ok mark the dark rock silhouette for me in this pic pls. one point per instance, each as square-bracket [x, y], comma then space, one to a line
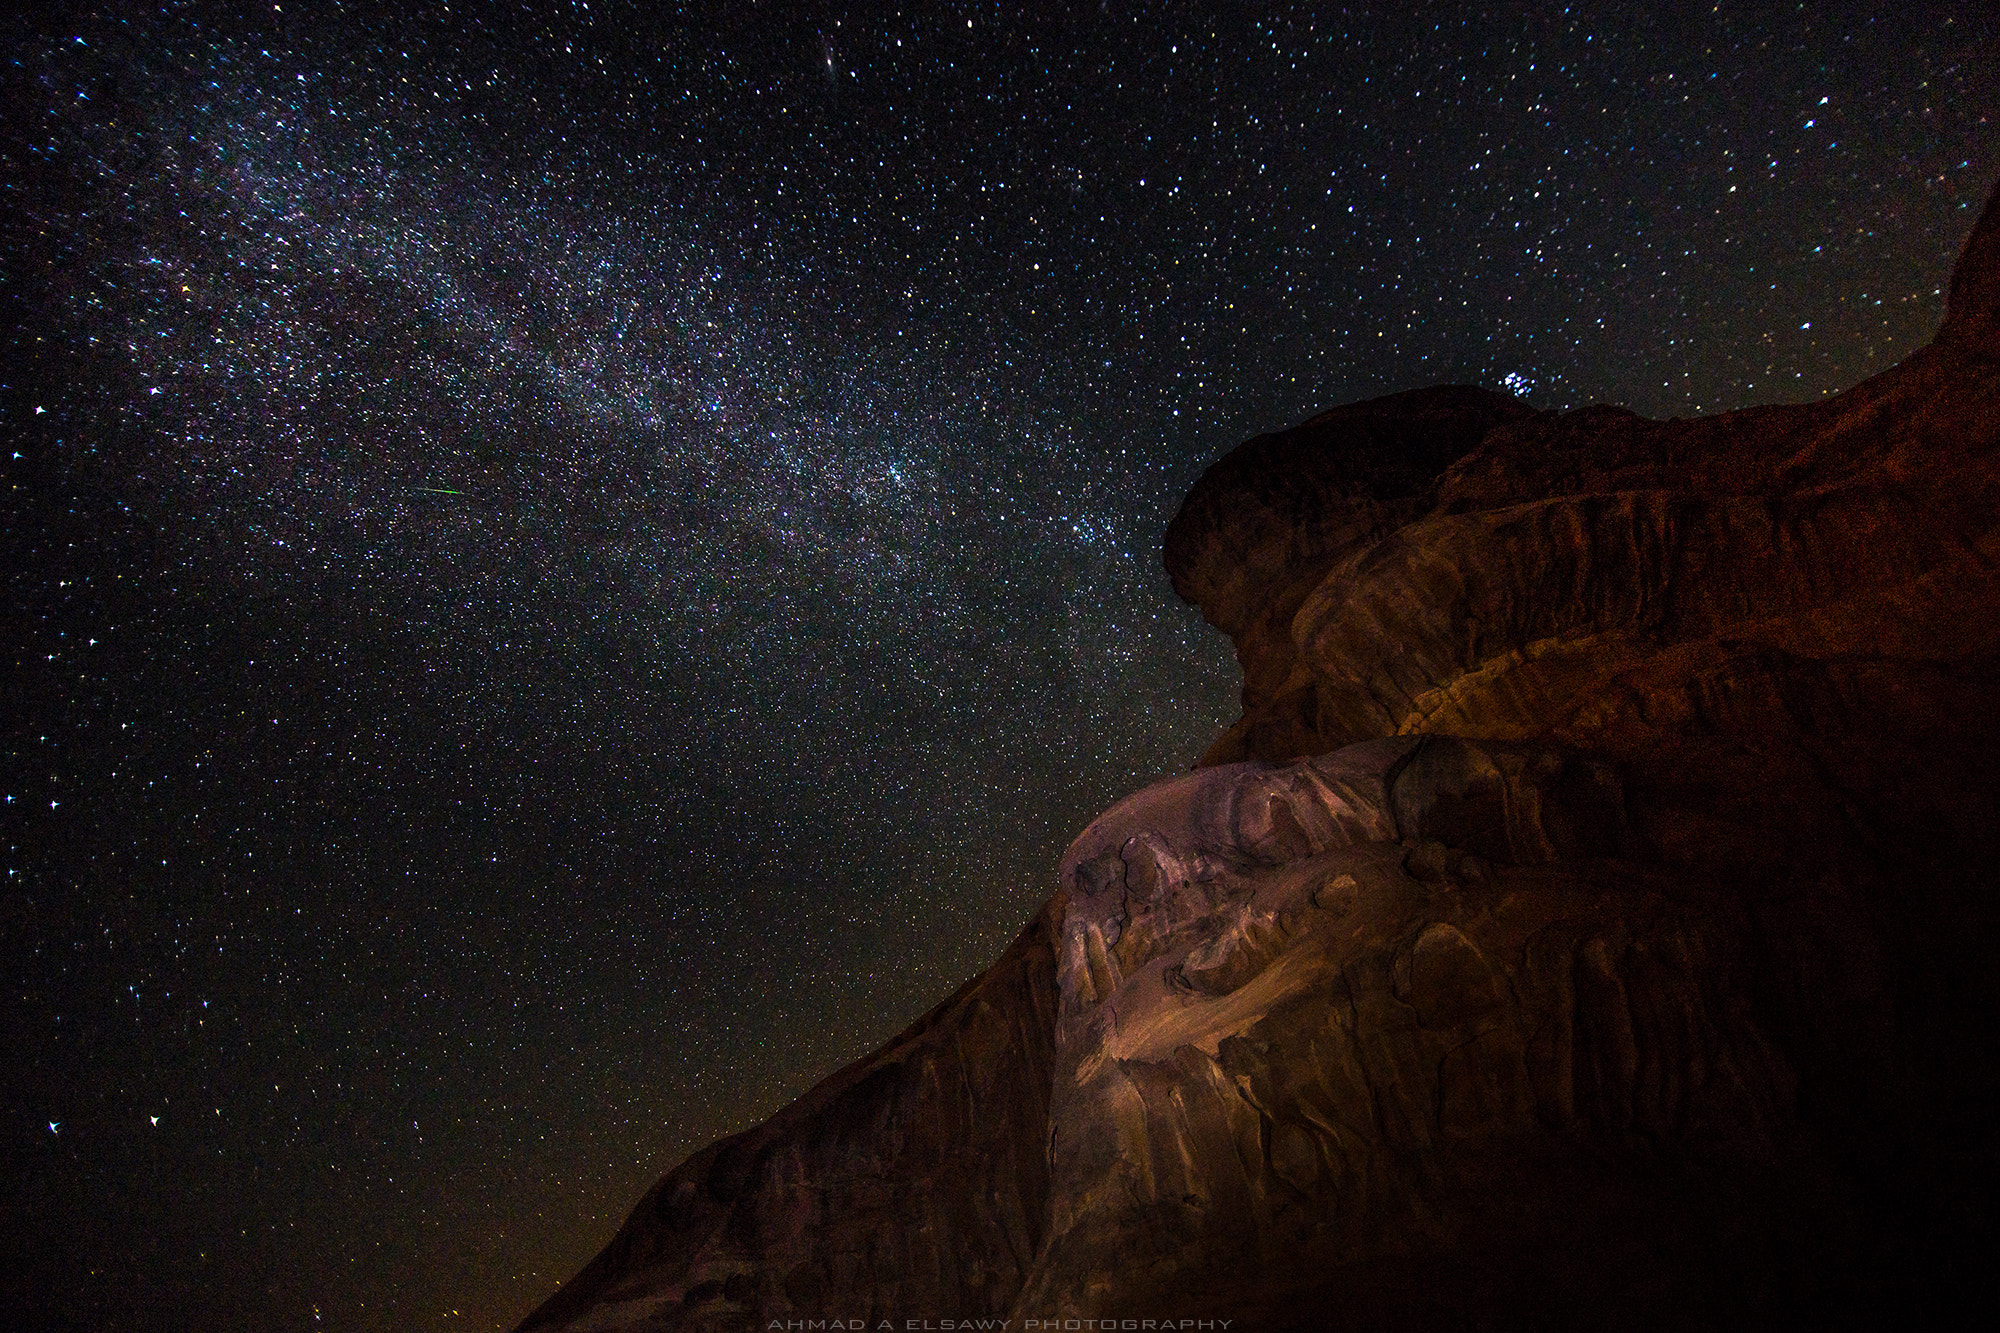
[1587, 925]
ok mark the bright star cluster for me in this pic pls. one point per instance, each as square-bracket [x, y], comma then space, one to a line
[571, 567]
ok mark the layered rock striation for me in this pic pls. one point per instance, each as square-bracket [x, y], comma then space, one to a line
[1587, 924]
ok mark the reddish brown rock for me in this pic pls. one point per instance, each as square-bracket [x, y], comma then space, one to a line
[1417, 1004]
[1275, 514]
[916, 1178]
[1606, 581]
[1586, 926]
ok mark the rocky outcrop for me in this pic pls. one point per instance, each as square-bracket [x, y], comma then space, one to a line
[1601, 580]
[1276, 514]
[914, 1179]
[1586, 925]
[1408, 1032]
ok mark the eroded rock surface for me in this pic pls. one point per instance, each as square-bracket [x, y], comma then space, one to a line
[914, 1179]
[1600, 580]
[1589, 924]
[1418, 997]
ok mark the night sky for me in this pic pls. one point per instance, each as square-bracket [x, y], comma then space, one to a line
[570, 569]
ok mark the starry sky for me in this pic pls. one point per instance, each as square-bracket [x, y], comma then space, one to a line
[570, 568]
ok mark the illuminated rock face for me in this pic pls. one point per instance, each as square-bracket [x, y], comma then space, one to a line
[1589, 924]
[1418, 1030]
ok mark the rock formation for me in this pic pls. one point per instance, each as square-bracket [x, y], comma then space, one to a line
[1587, 925]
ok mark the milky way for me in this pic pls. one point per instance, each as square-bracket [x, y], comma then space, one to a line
[569, 571]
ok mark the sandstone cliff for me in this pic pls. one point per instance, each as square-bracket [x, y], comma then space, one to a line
[1587, 924]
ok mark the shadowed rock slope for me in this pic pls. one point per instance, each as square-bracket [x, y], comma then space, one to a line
[1588, 924]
